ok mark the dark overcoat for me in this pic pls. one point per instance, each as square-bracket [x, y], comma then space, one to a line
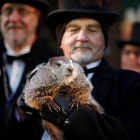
[118, 91]
[31, 129]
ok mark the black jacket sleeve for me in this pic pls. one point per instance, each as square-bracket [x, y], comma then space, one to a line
[90, 125]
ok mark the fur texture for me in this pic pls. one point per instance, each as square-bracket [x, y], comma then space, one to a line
[59, 73]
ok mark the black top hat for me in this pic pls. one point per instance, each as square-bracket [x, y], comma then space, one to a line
[42, 5]
[71, 9]
[135, 36]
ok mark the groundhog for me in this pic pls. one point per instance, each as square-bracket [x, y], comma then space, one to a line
[47, 80]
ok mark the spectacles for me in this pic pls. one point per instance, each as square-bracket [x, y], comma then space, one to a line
[21, 11]
[127, 53]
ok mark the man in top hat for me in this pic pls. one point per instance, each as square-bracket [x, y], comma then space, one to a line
[130, 50]
[20, 23]
[82, 29]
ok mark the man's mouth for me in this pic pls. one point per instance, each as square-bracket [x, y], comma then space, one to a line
[81, 48]
[14, 27]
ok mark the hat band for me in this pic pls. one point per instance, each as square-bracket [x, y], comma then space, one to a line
[90, 7]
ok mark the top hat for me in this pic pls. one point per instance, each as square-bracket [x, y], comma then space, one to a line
[135, 36]
[72, 9]
[42, 5]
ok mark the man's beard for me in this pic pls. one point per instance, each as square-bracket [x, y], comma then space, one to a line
[16, 42]
[82, 57]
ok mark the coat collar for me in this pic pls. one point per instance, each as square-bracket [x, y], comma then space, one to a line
[101, 81]
[104, 71]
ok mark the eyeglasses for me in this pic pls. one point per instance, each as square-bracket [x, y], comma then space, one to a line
[127, 53]
[21, 11]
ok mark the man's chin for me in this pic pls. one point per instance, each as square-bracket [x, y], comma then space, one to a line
[15, 37]
[81, 59]
[15, 41]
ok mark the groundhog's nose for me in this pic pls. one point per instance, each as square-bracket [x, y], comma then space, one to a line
[70, 70]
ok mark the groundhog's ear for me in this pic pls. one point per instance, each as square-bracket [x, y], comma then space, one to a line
[49, 59]
[33, 72]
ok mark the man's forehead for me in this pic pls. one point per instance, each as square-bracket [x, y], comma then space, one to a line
[84, 21]
[131, 47]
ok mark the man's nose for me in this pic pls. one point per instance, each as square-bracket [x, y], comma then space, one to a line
[82, 36]
[14, 17]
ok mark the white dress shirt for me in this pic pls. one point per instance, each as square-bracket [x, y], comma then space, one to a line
[15, 72]
[92, 65]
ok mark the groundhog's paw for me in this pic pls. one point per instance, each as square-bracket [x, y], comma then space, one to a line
[52, 105]
[75, 103]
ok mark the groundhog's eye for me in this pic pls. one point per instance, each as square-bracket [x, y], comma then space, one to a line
[58, 64]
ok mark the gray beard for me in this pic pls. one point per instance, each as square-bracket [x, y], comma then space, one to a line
[81, 58]
[16, 42]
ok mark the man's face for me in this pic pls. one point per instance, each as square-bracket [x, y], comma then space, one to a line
[130, 57]
[18, 23]
[83, 41]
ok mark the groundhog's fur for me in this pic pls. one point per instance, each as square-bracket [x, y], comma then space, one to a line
[45, 84]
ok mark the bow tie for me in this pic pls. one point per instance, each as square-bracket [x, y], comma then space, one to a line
[24, 57]
[91, 70]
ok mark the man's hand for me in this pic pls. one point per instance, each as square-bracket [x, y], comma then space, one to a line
[23, 108]
[60, 118]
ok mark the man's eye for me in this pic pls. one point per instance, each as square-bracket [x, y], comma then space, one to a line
[126, 52]
[7, 11]
[72, 29]
[23, 11]
[92, 30]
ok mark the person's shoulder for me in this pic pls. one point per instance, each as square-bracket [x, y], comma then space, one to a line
[125, 71]
[127, 74]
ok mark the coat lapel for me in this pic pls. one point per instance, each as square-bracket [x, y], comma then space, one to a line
[101, 81]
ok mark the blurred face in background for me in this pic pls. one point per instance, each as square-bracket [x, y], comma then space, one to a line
[83, 41]
[18, 23]
[130, 57]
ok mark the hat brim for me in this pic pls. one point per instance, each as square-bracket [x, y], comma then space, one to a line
[42, 5]
[122, 43]
[63, 16]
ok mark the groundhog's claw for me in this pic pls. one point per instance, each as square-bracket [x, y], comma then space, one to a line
[51, 104]
[75, 102]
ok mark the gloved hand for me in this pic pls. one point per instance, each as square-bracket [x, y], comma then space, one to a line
[23, 106]
[60, 118]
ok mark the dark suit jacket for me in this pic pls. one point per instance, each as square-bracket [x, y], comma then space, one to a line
[118, 91]
[9, 125]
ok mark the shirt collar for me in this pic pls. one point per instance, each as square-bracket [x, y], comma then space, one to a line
[11, 52]
[93, 64]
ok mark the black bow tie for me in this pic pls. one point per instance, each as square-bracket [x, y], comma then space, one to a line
[91, 70]
[24, 57]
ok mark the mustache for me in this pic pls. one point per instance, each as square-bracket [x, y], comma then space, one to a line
[14, 25]
[81, 45]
